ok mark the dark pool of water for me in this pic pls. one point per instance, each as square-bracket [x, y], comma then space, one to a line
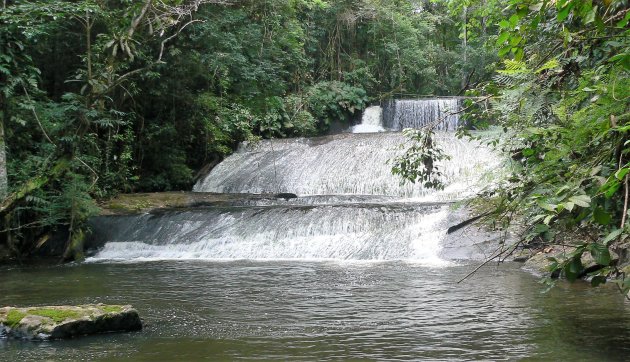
[323, 311]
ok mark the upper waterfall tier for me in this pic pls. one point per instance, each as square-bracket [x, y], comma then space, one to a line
[371, 121]
[401, 114]
[356, 164]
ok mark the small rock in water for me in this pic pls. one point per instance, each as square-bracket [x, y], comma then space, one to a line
[522, 255]
[286, 196]
[61, 322]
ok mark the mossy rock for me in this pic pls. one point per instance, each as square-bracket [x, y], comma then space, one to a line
[61, 322]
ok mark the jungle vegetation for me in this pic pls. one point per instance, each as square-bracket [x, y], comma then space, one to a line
[562, 95]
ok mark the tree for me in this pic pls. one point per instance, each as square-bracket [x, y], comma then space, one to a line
[62, 173]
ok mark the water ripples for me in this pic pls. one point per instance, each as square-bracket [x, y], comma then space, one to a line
[325, 311]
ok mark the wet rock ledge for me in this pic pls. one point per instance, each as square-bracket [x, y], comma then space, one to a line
[61, 322]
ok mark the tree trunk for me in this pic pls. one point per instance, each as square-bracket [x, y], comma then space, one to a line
[464, 44]
[4, 183]
[4, 108]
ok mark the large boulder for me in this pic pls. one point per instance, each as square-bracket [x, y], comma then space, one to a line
[61, 322]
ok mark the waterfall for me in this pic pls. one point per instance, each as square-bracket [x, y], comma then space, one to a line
[337, 232]
[350, 206]
[401, 114]
[371, 122]
[355, 164]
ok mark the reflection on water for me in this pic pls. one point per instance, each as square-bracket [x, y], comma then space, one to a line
[324, 311]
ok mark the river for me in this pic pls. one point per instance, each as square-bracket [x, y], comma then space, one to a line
[290, 310]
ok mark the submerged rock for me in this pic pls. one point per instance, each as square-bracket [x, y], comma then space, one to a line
[61, 322]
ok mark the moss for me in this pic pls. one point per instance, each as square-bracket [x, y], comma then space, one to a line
[14, 317]
[115, 206]
[57, 315]
[111, 308]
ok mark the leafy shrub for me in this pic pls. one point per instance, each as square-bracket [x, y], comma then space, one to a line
[335, 101]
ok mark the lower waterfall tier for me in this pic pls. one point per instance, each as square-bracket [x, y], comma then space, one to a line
[367, 232]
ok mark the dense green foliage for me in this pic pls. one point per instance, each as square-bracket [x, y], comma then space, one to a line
[101, 97]
[562, 96]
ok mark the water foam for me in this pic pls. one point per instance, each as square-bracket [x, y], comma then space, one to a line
[371, 122]
[350, 164]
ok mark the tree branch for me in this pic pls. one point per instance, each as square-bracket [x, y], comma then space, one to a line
[136, 21]
[173, 36]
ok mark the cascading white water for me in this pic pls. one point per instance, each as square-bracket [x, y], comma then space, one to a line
[371, 122]
[350, 207]
[356, 164]
[338, 232]
[420, 113]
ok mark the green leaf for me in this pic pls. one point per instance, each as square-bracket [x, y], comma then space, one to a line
[502, 38]
[601, 217]
[612, 236]
[537, 218]
[564, 12]
[598, 280]
[621, 173]
[515, 40]
[600, 254]
[624, 21]
[504, 24]
[590, 17]
[547, 206]
[573, 269]
[610, 187]
[541, 228]
[581, 200]
[552, 64]
[569, 205]
[503, 51]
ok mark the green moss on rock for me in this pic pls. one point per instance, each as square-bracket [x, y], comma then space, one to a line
[57, 315]
[112, 308]
[59, 322]
[12, 318]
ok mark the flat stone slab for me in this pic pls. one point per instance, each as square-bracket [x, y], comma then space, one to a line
[61, 322]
